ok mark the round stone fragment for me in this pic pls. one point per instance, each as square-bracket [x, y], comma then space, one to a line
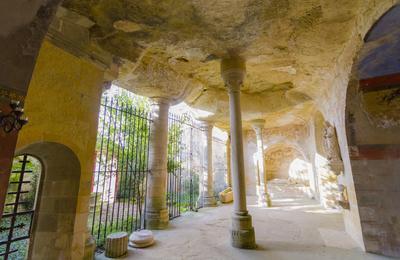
[141, 239]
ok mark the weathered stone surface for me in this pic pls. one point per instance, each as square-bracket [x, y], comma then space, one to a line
[141, 239]
[116, 244]
[292, 49]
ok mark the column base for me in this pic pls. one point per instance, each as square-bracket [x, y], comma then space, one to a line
[242, 231]
[264, 200]
[156, 220]
[90, 248]
[209, 202]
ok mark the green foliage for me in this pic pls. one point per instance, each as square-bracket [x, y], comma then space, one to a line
[174, 136]
[122, 141]
[22, 222]
[106, 230]
[22, 245]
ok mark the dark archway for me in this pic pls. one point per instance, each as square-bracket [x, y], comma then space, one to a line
[373, 135]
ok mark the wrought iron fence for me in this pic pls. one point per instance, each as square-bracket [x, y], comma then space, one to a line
[219, 165]
[186, 142]
[120, 176]
[19, 209]
[119, 185]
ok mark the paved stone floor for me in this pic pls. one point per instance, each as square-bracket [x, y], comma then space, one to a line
[296, 227]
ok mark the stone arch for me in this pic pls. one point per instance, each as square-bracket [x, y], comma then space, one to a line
[279, 158]
[373, 134]
[21, 38]
[53, 226]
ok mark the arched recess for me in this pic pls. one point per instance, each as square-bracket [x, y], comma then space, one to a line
[53, 226]
[287, 161]
[373, 134]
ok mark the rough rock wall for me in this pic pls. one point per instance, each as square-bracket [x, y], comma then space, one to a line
[23, 24]
[291, 141]
[250, 151]
[334, 108]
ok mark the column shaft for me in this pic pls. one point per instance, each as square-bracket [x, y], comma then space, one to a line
[208, 195]
[262, 188]
[228, 162]
[233, 70]
[156, 207]
[238, 178]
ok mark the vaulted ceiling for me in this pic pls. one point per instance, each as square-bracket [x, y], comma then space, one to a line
[173, 47]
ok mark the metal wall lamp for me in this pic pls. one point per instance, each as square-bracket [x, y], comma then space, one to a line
[14, 120]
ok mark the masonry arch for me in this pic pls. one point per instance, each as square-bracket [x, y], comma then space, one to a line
[53, 224]
[287, 161]
[372, 120]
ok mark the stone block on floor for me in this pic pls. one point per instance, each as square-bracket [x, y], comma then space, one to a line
[116, 244]
[141, 239]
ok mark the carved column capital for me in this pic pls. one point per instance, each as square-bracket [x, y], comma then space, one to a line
[258, 125]
[160, 101]
[233, 72]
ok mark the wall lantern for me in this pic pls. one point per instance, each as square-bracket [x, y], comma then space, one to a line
[13, 120]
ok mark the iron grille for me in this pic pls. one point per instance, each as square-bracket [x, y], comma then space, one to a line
[119, 185]
[185, 164]
[16, 222]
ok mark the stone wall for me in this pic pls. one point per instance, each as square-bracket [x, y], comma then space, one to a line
[22, 28]
[62, 105]
[219, 165]
[375, 163]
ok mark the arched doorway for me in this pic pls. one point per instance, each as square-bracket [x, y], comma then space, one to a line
[373, 134]
[285, 161]
[19, 209]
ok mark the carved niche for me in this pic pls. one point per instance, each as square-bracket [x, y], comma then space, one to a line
[331, 148]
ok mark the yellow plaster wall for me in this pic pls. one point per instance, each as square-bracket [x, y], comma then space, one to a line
[62, 106]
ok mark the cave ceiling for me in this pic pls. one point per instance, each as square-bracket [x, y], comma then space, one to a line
[174, 47]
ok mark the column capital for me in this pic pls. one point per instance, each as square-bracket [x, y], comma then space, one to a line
[233, 72]
[161, 100]
[208, 125]
[258, 125]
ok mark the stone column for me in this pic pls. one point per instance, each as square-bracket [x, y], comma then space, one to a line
[228, 161]
[156, 214]
[208, 191]
[233, 71]
[264, 199]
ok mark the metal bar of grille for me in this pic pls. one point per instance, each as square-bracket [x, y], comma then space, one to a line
[183, 173]
[16, 223]
[120, 177]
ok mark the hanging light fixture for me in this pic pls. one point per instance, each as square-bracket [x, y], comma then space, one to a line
[13, 120]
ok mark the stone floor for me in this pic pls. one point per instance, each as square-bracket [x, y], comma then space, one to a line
[296, 227]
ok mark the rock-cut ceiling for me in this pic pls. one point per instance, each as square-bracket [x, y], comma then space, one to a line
[174, 47]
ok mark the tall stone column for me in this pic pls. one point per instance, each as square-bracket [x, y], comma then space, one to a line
[264, 199]
[233, 71]
[208, 191]
[156, 214]
[228, 161]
